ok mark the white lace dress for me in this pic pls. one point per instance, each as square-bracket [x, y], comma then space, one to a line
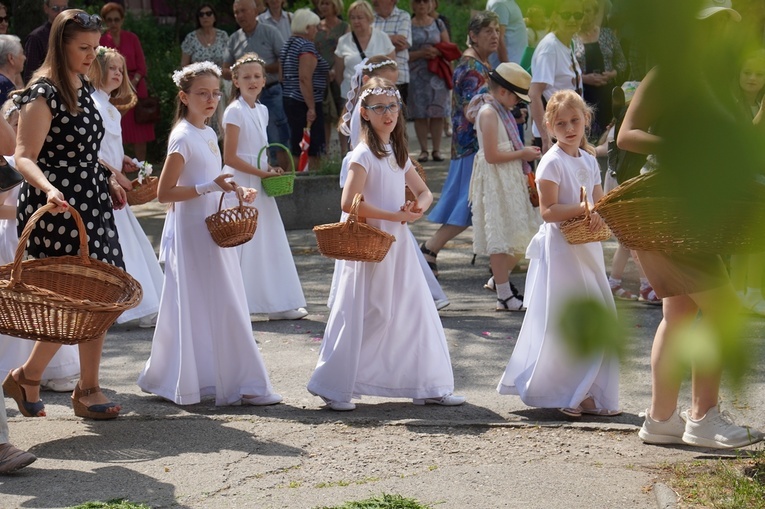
[504, 221]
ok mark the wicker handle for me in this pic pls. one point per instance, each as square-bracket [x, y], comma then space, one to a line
[292, 159]
[84, 252]
[583, 197]
[353, 215]
[223, 195]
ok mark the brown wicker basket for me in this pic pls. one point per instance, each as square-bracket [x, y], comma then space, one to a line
[63, 299]
[234, 226]
[143, 193]
[577, 229]
[353, 239]
[421, 172]
[641, 218]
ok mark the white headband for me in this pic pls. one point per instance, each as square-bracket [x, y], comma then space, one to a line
[249, 60]
[391, 92]
[195, 68]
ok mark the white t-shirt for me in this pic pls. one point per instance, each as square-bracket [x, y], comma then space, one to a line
[379, 44]
[554, 64]
[570, 173]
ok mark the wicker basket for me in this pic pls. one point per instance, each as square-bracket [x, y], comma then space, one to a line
[234, 226]
[353, 239]
[577, 229]
[641, 218]
[421, 172]
[143, 193]
[283, 184]
[63, 299]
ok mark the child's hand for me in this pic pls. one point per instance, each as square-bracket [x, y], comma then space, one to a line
[530, 153]
[223, 183]
[276, 169]
[410, 212]
[596, 222]
[247, 194]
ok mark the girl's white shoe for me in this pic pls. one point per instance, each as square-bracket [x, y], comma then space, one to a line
[269, 399]
[445, 400]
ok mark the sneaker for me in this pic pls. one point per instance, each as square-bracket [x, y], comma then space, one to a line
[648, 296]
[445, 400]
[442, 303]
[269, 399]
[620, 293]
[12, 458]
[718, 431]
[291, 314]
[148, 321]
[662, 432]
[59, 384]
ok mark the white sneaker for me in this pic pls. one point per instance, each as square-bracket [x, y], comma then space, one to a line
[59, 384]
[662, 432]
[339, 406]
[148, 321]
[442, 303]
[718, 431]
[269, 399]
[291, 314]
[445, 400]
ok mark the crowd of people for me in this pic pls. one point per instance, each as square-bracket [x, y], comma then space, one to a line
[69, 94]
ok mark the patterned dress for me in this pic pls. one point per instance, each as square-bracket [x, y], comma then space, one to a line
[69, 160]
[428, 94]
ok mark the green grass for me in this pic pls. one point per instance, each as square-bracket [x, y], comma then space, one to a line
[382, 502]
[737, 483]
[118, 503]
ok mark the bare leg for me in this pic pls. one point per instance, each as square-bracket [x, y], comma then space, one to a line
[436, 129]
[38, 360]
[421, 128]
[90, 363]
[434, 244]
[621, 257]
[501, 265]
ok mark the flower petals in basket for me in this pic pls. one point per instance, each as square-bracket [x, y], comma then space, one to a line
[353, 239]
[577, 229]
[233, 226]
[281, 184]
[63, 299]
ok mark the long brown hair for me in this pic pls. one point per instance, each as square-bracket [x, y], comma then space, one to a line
[570, 99]
[398, 140]
[55, 68]
[185, 80]
[123, 97]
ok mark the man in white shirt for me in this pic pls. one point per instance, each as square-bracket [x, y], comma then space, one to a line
[398, 25]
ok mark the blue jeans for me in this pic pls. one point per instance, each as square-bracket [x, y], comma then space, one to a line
[278, 130]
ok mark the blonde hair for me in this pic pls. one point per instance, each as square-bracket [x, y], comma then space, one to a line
[247, 58]
[365, 7]
[570, 99]
[123, 97]
[398, 139]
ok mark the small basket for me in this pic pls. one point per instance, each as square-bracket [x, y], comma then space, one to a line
[577, 229]
[281, 184]
[234, 226]
[421, 172]
[353, 239]
[143, 193]
[62, 299]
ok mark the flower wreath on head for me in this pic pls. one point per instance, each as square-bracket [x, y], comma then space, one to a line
[248, 60]
[350, 126]
[195, 68]
[390, 92]
[101, 51]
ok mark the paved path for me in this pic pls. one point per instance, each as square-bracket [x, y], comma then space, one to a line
[492, 452]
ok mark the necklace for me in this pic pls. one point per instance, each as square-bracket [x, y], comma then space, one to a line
[205, 39]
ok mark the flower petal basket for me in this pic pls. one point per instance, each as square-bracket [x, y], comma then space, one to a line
[233, 226]
[577, 229]
[63, 299]
[143, 192]
[353, 239]
[282, 184]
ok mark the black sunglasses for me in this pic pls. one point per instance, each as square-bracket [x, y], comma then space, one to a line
[5, 19]
[565, 16]
[89, 21]
[206, 14]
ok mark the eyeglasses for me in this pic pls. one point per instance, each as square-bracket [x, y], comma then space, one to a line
[205, 14]
[5, 19]
[86, 20]
[381, 109]
[58, 8]
[207, 96]
[565, 16]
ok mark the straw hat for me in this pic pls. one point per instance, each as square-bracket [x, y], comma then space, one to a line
[711, 7]
[513, 77]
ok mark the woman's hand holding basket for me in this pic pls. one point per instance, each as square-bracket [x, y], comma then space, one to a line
[56, 197]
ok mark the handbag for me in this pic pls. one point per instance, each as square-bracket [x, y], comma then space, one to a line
[9, 176]
[147, 110]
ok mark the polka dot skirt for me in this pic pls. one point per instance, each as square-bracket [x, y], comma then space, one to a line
[69, 159]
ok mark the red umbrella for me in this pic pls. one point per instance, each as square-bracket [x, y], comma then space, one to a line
[305, 143]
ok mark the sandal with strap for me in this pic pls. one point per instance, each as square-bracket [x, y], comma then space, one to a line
[427, 252]
[620, 293]
[423, 158]
[511, 303]
[13, 388]
[436, 155]
[99, 411]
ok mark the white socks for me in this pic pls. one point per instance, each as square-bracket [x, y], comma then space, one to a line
[504, 291]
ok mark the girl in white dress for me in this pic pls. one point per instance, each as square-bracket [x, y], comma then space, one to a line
[384, 336]
[108, 74]
[270, 278]
[203, 344]
[504, 221]
[542, 369]
[62, 372]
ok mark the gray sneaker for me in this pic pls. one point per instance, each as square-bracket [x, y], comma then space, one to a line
[718, 431]
[662, 432]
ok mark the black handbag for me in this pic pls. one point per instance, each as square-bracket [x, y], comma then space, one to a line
[9, 176]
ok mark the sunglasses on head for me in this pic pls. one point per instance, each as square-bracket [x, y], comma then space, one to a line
[565, 16]
[86, 20]
[205, 14]
[5, 19]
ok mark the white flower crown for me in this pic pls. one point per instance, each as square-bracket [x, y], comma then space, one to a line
[391, 92]
[369, 66]
[195, 68]
[249, 60]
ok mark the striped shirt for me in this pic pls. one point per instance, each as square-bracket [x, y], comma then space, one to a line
[289, 57]
[398, 23]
